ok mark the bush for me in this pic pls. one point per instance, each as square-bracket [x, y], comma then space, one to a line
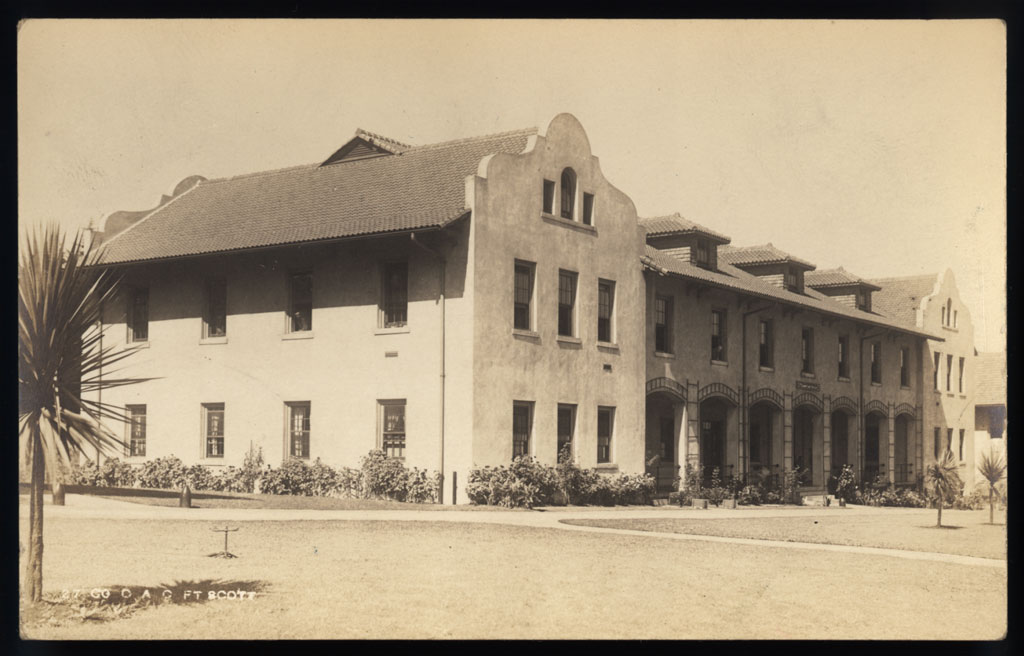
[293, 477]
[976, 500]
[422, 486]
[845, 483]
[384, 477]
[166, 473]
[750, 495]
[113, 473]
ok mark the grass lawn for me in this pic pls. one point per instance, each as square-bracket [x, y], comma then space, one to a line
[348, 579]
[964, 532]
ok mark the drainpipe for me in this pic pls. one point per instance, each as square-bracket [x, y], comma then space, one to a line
[860, 400]
[744, 410]
[441, 298]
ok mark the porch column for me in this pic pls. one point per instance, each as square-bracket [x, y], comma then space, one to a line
[680, 430]
[919, 438]
[892, 443]
[692, 427]
[826, 434]
[787, 430]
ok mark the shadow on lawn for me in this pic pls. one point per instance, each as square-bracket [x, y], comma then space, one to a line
[953, 528]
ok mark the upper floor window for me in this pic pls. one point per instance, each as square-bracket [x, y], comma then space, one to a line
[943, 315]
[605, 310]
[522, 426]
[956, 318]
[792, 279]
[663, 324]
[718, 342]
[949, 373]
[392, 428]
[566, 426]
[213, 429]
[844, 356]
[766, 344]
[876, 362]
[937, 442]
[905, 367]
[605, 426]
[949, 311]
[588, 209]
[136, 430]
[215, 310]
[300, 302]
[702, 253]
[523, 302]
[935, 372]
[807, 350]
[961, 450]
[566, 303]
[568, 193]
[549, 197]
[138, 315]
[298, 429]
[960, 380]
[394, 302]
[862, 300]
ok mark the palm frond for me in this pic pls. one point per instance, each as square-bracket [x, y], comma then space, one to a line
[992, 467]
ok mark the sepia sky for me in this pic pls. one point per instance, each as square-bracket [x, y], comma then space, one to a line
[875, 145]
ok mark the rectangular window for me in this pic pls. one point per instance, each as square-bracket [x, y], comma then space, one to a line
[905, 367]
[215, 312]
[807, 350]
[522, 426]
[566, 426]
[523, 315]
[935, 373]
[663, 324]
[961, 444]
[792, 279]
[876, 362]
[956, 317]
[588, 209]
[862, 300]
[300, 302]
[844, 356]
[718, 328]
[213, 429]
[960, 378]
[605, 426]
[138, 315]
[549, 197]
[702, 257]
[298, 429]
[949, 373]
[937, 447]
[566, 303]
[605, 310]
[136, 430]
[765, 344]
[392, 428]
[949, 439]
[394, 295]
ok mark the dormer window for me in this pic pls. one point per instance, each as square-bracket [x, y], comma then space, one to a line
[703, 255]
[568, 193]
[862, 300]
[792, 279]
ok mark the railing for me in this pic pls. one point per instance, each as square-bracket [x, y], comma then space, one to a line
[904, 472]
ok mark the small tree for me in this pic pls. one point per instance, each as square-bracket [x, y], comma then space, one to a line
[993, 469]
[944, 479]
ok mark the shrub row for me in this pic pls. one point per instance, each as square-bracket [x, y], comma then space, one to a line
[379, 477]
[527, 483]
[754, 492]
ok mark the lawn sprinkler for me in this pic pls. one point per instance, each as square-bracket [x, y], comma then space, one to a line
[224, 554]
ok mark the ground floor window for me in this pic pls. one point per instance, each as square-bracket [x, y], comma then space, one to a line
[605, 423]
[566, 426]
[136, 429]
[298, 429]
[392, 428]
[522, 420]
[213, 429]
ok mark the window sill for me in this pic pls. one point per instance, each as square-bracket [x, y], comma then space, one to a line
[719, 363]
[807, 374]
[305, 334]
[397, 330]
[963, 396]
[566, 339]
[607, 467]
[905, 387]
[951, 329]
[213, 340]
[575, 225]
[138, 345]
[874, 384]
[843, 379]
[213, 461]
[950, 394]
[662, 354]
[608, 346]
[526, 334]
[768, 370]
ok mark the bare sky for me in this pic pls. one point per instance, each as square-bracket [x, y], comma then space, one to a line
[878, 146]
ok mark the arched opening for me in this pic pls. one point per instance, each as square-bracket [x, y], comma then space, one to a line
[765, 446]
[715, 418]
[840, 422]
[901, 450]
[663, 430]
[805, 434]
[873, 464]
[568, 193]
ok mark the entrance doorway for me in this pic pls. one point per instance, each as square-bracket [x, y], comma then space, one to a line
[713, 415]
[662, 452]
[764, 463]
[803, 444]
[873, 468]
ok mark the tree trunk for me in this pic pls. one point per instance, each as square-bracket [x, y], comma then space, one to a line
[939, 522]
[991, 507]
[34, 568]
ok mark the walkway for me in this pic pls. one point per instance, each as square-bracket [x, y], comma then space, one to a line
[86, 506]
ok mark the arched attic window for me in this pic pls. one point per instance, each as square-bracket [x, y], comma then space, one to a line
[949, 311]
[568, 193]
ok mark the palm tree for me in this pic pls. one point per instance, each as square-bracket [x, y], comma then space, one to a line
[60, 361]
[944, 479]
[993, 469]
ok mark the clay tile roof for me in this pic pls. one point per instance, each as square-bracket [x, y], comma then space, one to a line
[422, 187]
[384, 142]
[736, 279]
[835, 278]
[676, 224]
[900, 298]
[741, 256]
[990, 379]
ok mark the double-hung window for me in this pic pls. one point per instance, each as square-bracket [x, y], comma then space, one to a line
[663, 324]
[605, 427]
[718, 333]
[213, 430]
[935, 373]
[298, 429]
[138, 315]
[949, 373]
[960, 380]
[522, 426]
[588, 209]
[566, 303]
[765, 357]
[807, 350]
[215, 309]
[394, 295]
[392, 428]
[523, 291]
[136, 430]
[605, 310]
[844, 356]
[300, 302]
[566, 427]
[876, 362]
[549, 197]
[905, 367]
